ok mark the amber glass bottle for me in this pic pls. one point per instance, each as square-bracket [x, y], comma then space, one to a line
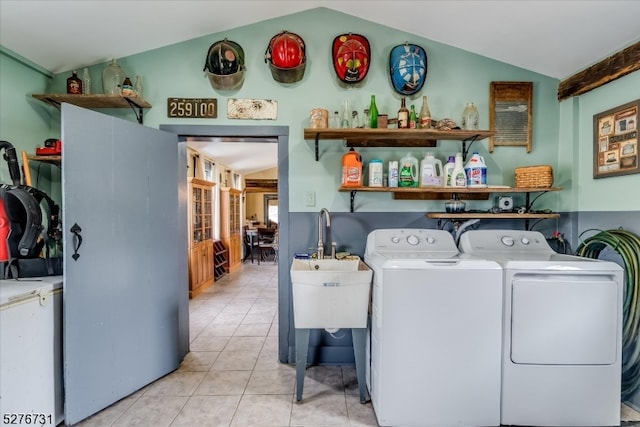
[74, 84]
[403, 115]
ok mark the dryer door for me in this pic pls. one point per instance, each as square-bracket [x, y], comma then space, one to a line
[564, 320]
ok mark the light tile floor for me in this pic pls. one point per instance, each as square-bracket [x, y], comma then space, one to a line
[232, 376]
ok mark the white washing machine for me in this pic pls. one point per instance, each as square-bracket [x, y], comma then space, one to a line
[436, 331]
[562, 331]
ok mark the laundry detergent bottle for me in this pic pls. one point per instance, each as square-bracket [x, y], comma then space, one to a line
[448, 170]
[476, 171]
[408, 173]
[351, 169]
[430, 171]
[458, 175]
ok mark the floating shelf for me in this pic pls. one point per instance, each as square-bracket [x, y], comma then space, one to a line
[53, 159]
[443, 193]
[396, 137]
[486, 215]
[136, 103]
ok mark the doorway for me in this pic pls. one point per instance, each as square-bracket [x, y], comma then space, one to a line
[266, 134]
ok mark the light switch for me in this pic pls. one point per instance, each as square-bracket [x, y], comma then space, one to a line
[310, 198]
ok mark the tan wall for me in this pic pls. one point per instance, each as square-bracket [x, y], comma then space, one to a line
[254, 202]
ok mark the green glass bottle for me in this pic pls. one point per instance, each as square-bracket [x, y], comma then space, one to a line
[373, 113]
[413, 118]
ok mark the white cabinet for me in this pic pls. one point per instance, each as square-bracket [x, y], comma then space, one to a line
[31, 351]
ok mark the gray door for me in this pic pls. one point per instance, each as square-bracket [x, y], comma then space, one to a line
[122, 286]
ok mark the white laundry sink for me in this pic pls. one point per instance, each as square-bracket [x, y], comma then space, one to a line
[330, 293]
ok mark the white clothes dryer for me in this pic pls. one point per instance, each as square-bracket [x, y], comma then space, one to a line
[435, 335]
[562, 331]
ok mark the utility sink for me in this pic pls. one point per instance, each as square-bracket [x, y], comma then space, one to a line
[330, 293]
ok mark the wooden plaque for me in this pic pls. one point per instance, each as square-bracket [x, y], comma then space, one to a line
[510, 114]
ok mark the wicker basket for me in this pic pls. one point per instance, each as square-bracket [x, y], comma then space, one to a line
[534, 176]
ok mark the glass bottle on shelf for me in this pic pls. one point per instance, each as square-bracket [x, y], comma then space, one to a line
[74, 84]
[127, 87]
[112, 77]
[345, 121]
[137, 86]
[335, 120]
[366, 120]
[470, 117]
[403, 115]
[355, 120]
[425, 115]
[413, 119]
[86, 82]
[373, 113]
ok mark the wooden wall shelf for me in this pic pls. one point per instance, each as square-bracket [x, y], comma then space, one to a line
[444, 193]
[136, 103]
[396, 137]
[486, 215]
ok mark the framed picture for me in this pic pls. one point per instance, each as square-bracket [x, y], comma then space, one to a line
[615, 139]
[510, 114]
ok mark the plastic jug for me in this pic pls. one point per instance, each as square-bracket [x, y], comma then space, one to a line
[430, 171]
[351, 169]
[476, 171]
[408, 174]
[375, 173]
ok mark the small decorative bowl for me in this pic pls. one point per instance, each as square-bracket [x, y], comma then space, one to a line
[454, 206]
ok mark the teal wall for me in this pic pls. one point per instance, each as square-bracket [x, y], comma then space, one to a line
[577, 148]
[24, 121]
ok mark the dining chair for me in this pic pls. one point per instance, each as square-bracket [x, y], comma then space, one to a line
[266, 239]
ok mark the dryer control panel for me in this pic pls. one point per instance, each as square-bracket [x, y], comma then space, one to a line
[504, 241]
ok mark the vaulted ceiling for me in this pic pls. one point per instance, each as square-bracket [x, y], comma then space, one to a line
[555, 38]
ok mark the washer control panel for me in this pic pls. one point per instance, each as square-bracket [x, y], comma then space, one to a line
[410, 240]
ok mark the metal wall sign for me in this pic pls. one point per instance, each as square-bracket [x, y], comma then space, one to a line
[192, 108]
[253, 109]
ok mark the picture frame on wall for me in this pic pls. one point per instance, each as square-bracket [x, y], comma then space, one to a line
[615, 138]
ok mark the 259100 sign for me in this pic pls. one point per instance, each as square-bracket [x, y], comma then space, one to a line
[192, 108]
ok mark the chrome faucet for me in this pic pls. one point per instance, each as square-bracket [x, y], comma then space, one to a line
[320, 230]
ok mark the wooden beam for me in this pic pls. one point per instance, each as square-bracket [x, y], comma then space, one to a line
[618, 65]
[261, 186]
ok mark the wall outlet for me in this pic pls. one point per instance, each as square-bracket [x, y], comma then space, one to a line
[309, 198]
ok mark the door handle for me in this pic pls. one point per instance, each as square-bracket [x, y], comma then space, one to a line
[77, 240]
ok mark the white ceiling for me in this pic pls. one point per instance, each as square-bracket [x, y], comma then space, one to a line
[243, 156]
[555, 38]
